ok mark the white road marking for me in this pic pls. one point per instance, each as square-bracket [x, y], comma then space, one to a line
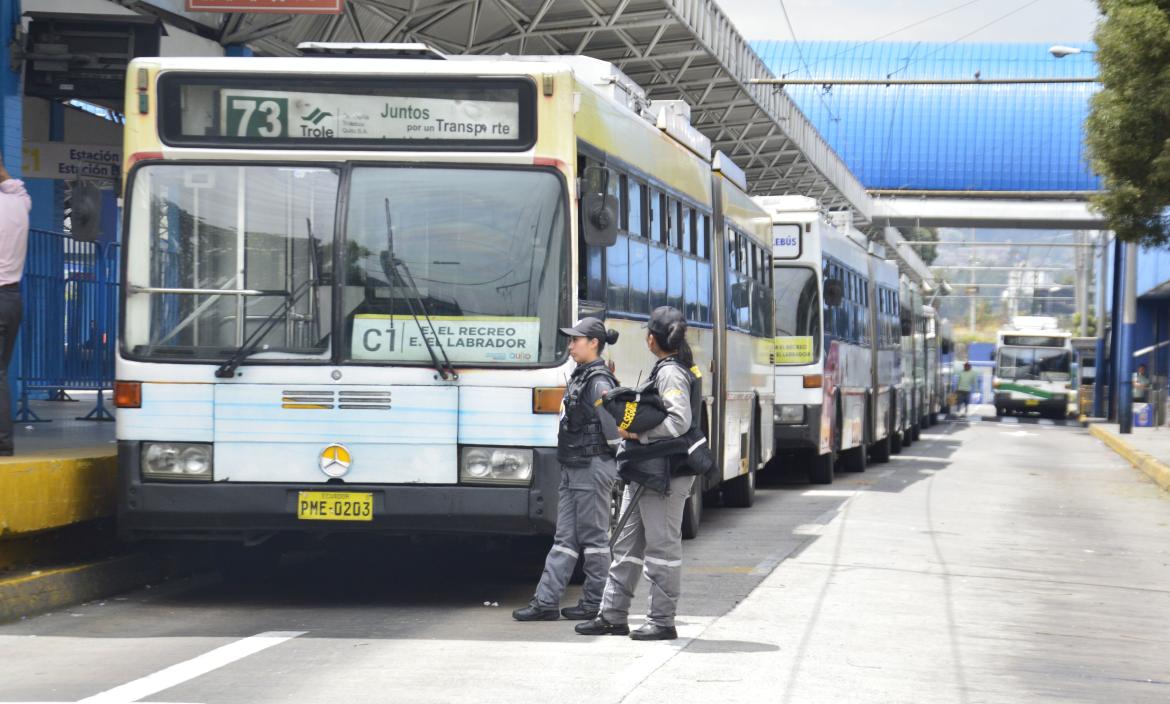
[190, 669]
[1021, 434]
[841, 493]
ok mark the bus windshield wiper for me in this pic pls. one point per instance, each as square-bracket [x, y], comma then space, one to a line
[227, 370]
[398, 276]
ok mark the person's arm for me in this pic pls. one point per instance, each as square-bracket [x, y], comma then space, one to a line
[674, 387]
[14, 187]
[598, 388]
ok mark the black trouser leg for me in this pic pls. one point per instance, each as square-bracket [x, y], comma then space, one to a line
[10, 312]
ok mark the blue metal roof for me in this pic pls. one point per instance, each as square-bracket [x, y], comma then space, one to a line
[996, 138]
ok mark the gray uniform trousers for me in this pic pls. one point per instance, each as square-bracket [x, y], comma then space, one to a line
[583, 511]
[650, 543]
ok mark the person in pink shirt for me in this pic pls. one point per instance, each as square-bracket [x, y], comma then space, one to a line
[14, 207]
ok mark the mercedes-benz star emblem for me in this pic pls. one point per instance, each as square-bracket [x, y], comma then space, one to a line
[335, 460]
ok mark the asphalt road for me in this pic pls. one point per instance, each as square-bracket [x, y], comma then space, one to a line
[989, 562]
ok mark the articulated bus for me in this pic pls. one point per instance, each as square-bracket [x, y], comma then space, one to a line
[1033, 368]
[344, 276]
[913, 398]
[837, 351]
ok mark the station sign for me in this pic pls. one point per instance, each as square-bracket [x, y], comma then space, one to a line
[65, 161]
[288, 7]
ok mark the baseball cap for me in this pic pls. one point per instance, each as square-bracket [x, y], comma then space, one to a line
[586, 327]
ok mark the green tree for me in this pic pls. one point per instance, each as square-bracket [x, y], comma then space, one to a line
[1128, 129]
[923, 234]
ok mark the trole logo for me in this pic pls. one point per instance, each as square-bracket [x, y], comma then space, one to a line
[316, 116]
[335, 460]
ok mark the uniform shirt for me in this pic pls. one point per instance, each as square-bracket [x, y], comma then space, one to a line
[674, 387]
[14, 207]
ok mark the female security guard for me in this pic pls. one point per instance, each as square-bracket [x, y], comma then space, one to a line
[586, 443]
[651, 540]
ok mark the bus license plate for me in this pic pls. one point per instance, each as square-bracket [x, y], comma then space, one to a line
[334, 506]
[1031, 402]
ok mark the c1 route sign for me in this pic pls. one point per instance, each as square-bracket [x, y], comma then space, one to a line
[304, 7]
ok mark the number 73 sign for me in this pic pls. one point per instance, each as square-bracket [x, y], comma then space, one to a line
[256, 116]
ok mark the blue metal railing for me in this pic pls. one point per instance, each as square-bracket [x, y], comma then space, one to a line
[70, 292]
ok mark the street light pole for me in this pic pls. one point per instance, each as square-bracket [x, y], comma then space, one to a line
[1125, 345]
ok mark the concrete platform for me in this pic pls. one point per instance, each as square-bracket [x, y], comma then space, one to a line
[1147, 449]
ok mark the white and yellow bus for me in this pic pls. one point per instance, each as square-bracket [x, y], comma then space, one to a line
[344, 276]
[838, 350]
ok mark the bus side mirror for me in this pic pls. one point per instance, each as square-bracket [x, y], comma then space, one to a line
[592, 309]
[834, 292]
[86, 211]
[741, 296]
[599, 211]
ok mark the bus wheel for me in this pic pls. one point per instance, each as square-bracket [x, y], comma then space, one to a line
[915, 433]
[999, 411]
[881, 449]
[896, 443]
[693, 511]
[741, 491]
[820, 469]
[853, 459]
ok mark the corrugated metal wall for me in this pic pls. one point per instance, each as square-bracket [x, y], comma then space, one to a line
[1006, 137]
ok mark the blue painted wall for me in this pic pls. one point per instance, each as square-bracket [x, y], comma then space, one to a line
[1011, 137]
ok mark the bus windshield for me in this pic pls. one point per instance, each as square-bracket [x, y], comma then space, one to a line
[482, 250]
[798, 320]
[1034, 364]
[213, 250]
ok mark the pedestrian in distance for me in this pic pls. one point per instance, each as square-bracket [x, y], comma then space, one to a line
[650, 542]
[14, 206]
[587, 440]
[968, 379]
[1141, 384]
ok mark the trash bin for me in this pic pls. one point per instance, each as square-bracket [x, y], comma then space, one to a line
[1143, 415]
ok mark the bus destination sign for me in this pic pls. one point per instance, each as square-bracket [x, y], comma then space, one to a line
[786, 241]
[465, 340]
[281, 115]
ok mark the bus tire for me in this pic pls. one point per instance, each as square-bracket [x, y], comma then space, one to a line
[1000, 411]
[915, 433]
[693, 511]
[896, 443]
[853, 459]
[741, 491]
[882, 448]
[820, 469]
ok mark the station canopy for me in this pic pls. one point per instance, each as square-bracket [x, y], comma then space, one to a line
[674, 49]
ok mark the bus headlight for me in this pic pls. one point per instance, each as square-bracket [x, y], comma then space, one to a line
[788, 414]
[495, 465]
[185, 461]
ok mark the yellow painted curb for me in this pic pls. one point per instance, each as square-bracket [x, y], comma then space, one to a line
[43, 590]
[45, 491]
[1155, 469]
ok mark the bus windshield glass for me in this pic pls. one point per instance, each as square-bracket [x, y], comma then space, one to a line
[1034, 364]
[479, 251]
[798, 308]
[214, 251]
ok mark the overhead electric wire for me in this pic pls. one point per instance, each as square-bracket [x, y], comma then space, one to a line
[956, 40]
[800, 53]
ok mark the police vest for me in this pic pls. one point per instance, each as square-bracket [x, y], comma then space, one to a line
[579, 436]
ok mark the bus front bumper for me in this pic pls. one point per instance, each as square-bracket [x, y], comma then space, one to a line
[233, 511]
[805, 435]
[1058, 404]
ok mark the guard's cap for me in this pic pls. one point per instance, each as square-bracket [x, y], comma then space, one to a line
[586, 327]
[662, 318]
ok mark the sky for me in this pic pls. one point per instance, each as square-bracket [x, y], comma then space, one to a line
[1054, 21]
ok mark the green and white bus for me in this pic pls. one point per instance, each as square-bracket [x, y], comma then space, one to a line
[1033, 368]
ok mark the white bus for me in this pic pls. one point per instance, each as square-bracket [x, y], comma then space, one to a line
[837, 348]
[1033, 368]
[343, 280]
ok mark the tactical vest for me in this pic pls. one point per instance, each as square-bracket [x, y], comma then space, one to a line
[696, 377]
[579, 437]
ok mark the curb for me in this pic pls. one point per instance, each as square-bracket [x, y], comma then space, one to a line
[44, 590]
[44, 491]
[1155, 469]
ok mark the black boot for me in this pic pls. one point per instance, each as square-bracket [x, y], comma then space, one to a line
[651, 631]
[600, 627]
[532, 612]
[580, 612]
